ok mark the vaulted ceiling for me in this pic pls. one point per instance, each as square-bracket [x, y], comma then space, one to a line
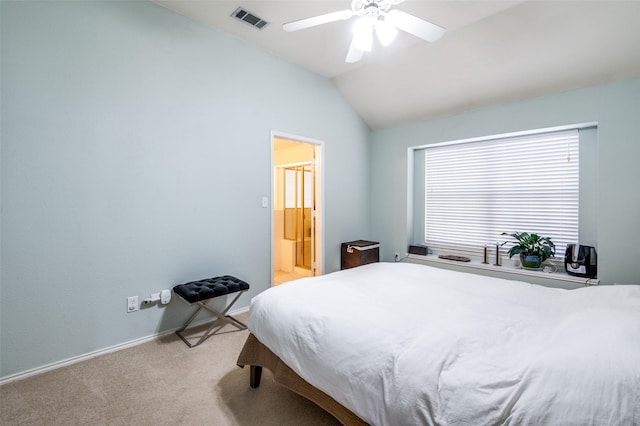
[493, 51]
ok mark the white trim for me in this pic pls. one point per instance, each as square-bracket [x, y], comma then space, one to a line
[510, 135]
[296, 138]
[505, 268]
[411, 152]
[89, 355]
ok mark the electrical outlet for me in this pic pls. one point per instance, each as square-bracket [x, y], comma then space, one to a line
[397, 257]
[132, 304]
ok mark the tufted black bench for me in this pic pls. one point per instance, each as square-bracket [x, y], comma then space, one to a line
[201, 293]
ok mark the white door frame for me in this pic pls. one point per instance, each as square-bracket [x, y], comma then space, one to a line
[319, 213]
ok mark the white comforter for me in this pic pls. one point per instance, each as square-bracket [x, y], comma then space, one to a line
[406, 344]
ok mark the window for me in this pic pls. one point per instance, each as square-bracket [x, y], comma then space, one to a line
[475, 190]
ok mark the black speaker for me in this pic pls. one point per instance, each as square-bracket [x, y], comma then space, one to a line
[422, 250]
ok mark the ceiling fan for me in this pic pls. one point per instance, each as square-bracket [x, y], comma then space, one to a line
[374, 15]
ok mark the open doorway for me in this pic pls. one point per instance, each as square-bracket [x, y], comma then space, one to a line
[297, 219]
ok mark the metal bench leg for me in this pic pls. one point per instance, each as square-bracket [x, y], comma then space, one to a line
[229, 319]
[221, 320]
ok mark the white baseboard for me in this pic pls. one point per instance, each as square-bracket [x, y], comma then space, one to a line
[73, 360]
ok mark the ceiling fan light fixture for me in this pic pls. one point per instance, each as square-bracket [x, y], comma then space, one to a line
[363, 34]
[386, 32]
[372, 15]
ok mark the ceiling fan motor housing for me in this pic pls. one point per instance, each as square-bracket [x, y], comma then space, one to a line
[372, 8]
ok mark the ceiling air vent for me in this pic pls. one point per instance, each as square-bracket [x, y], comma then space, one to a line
[249, 18]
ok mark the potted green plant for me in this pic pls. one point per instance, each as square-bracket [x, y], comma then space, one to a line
[532, 248]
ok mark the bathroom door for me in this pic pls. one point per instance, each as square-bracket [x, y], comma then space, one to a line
[297, 244]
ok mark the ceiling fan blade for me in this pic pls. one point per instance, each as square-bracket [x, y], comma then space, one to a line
[354, 54]
[414, 25]
[317, 20]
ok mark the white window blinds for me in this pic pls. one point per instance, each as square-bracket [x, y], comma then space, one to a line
[475, 191]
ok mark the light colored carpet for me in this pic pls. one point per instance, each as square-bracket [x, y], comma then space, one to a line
[162, 382]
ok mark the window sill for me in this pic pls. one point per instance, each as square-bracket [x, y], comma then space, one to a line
[508, 269]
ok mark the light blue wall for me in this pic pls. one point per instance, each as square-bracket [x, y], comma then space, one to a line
[616, 108]
[135, 152]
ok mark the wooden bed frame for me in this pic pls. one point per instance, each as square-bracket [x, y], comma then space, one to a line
[257, 355]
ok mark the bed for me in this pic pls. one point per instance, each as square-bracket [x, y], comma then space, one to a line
[407, 344]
